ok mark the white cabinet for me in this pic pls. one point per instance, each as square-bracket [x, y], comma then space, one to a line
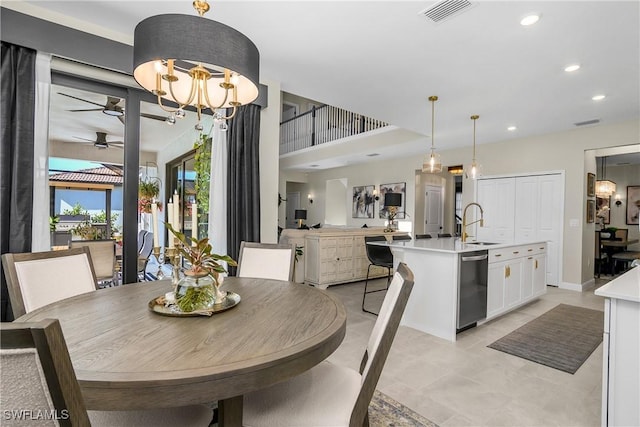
[516, 276]
[339, 257]
[524, 208]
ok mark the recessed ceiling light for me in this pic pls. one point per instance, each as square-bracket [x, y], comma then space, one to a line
[529, 20]
[511, 128]
[572, 67]
[598, 97]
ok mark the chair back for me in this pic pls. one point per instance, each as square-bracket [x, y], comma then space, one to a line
[266, 260]
[381, 339]
[622, 234]
[598, 246]
[103, 256]
[378, 255]
[423, 236]
[147, 246]
[401, 237]
[37, 373]
[444, 234]
[40, 278]
[141, 235]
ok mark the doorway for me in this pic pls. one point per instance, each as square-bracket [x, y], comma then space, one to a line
[433, 209]
[293, 203]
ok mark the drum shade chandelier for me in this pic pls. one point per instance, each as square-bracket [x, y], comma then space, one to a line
[192, 60]
[474, 169]
[605, 187]
[432, 162]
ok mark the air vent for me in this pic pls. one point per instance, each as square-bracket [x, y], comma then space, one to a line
[445, 9]
[373, 154]
[588, 122]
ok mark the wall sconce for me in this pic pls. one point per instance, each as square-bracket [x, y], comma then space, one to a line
[618, 201]
[310, 198]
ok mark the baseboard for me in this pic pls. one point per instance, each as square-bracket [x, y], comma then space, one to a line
[576, 286]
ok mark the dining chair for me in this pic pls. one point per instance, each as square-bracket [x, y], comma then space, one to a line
[40, 278]
[141, 235]
[624, 257]
[400, 237]
[266, 260]
[103, 257]
[600, 257]
[423, 236]
[37, 375]
[380, 256]
[329, 394]
[444, 234]
[144, 254]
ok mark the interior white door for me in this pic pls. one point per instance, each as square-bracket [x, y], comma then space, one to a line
[293, 203]
[433, 209]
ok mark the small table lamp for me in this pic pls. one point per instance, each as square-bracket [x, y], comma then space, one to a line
[392, 201]
[300, 215]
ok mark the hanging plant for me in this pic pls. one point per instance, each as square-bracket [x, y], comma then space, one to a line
[148, 190]
[202, 169]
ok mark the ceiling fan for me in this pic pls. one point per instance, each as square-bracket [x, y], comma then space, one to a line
[111, 108]
[101, 141]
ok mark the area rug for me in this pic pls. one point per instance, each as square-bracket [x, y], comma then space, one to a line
[562, 338]
[386, 412]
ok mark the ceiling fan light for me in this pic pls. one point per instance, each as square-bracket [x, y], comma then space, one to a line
[114, 113]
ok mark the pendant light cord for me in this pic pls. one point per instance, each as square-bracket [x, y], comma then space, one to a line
[433, 100]
[474, 118]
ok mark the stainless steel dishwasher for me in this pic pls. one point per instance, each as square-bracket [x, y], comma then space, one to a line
[472, 288]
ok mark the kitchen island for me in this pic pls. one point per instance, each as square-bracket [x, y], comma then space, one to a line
[503, 276]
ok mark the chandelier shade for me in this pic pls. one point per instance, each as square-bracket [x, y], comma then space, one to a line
[192, 60]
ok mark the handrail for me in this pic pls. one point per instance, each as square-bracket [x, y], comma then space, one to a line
[323, 124]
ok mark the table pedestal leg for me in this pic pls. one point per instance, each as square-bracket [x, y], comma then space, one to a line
[230, 412]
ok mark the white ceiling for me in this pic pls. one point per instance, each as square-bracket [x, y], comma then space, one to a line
[383, 59]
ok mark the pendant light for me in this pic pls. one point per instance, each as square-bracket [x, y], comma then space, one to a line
[474, 169]
[432, 162]
[604, 187]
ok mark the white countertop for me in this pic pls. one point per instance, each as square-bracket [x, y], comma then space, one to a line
[625, 287]
[448, 244]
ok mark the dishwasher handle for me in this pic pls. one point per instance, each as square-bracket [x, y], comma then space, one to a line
[475, 258]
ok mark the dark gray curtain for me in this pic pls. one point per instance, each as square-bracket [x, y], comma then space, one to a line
[17, 109]
[243, 187]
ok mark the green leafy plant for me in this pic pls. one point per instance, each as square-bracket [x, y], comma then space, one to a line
[299, 252]
[53, 222]
[202, 168]
[77, 209]
[200, 255]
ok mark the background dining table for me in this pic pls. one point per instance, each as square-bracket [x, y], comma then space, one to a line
[127, 357]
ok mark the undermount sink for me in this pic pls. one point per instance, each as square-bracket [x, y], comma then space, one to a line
[482, 243]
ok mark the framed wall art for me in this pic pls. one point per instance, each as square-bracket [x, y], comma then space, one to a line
[398, 187]
[591, 211]
[363, 202]
[603, 209]
[591, 184]
[633, 204]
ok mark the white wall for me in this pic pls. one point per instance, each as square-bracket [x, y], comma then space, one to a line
[559, 151]
[269, 164]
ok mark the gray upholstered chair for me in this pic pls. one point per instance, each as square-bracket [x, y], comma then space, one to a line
[37, 375]
[423, 236]
[103, 257]
[40, 278]
[329, 394]
[400, 237]
[266, 260]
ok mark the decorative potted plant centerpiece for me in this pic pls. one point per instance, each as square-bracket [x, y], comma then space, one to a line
[199, 289]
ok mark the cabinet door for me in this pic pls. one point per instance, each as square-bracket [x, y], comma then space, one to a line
[513, 283]
[496, 196]
[344, 259]
[526, 284]
[526, 212]
[539, 274]
[495, 288]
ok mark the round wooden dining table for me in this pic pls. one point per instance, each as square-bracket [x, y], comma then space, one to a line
[127, 357]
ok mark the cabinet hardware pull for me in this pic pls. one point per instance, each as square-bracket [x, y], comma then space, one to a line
[536, 263]
[542, 248]
[498, 255]
[516, 252]
[529, 250]
[530, 257]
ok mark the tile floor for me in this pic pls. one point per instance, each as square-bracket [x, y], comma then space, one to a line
[467, 384]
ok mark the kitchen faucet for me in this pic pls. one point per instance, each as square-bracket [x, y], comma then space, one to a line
[464, 220]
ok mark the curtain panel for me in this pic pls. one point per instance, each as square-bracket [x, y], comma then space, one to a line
[243, 185]
[17, 100]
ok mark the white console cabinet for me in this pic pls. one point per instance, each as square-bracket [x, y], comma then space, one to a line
[516, 276]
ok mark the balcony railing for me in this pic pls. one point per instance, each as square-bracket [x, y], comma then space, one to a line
[323, 124]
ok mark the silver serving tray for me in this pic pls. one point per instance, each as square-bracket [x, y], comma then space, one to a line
[231, 300]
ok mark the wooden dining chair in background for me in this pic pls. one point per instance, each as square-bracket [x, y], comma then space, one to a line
[330, 394]
[103, 257]
[40, 278]
[37, 374]
[266, 260]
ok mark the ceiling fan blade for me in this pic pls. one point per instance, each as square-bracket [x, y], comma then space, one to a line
[153, 116]
[115, 142]
[112, 100]
[80, 99]
[90, 109]
[85, 139]
[121, 118]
